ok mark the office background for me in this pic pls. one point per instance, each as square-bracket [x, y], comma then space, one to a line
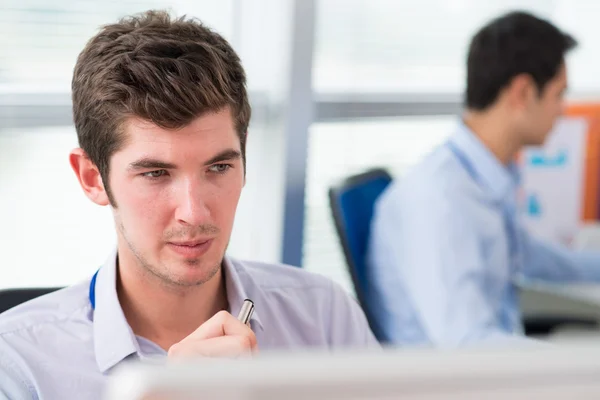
[337, 86]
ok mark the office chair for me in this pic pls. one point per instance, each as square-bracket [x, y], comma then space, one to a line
[352, 203]
[10, 298]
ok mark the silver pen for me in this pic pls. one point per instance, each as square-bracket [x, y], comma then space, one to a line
[246, 311]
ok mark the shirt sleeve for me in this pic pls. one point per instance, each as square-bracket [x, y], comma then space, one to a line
[429, 263]
[556, 263]
[13, 383]
[348, 324]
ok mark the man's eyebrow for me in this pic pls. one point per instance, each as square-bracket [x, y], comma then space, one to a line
[150, 163]
[226, 155]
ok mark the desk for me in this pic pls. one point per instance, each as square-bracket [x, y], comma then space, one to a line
[571, 300]
[580, 300]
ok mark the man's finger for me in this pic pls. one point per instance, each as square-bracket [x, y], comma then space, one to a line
[222, 324]
[224, 346]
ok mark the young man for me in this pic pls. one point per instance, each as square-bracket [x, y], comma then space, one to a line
[161, 113]
[446, 241]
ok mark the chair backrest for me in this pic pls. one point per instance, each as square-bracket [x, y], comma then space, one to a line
[10, 298]
[352, 203]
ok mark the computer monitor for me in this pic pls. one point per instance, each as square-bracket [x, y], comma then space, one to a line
[526, 373]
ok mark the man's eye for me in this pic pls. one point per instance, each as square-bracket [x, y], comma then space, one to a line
[219, 168]
[155, 174]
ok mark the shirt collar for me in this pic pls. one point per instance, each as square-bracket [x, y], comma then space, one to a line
[113, 338]
[239, 286]
[499, 181]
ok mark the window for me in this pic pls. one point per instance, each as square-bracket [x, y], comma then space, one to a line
[403, 60]
[40, 40]
[408, 46]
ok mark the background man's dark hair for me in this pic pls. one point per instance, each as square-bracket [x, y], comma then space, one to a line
[513, 44]
[165, 70]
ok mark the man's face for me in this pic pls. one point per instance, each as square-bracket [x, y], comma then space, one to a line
[544, 109]
[176, 193]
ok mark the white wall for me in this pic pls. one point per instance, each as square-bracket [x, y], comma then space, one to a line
[50, 233]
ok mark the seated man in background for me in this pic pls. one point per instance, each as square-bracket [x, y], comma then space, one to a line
[161, 112]
[446, 243]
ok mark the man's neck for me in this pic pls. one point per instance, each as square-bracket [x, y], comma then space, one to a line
[163, 313]
[493, 132]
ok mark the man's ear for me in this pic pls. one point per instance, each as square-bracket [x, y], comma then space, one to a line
[89, 177]
[521, 91]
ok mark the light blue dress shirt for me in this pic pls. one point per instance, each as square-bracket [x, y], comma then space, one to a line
[58, 347]
[447, 248]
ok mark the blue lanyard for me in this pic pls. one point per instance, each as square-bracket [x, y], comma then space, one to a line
[508, 218]
[466, 163]
[93, 291]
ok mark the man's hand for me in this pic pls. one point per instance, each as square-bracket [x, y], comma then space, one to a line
[221, 336]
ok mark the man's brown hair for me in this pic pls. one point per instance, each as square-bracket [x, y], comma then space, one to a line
[165, 70]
